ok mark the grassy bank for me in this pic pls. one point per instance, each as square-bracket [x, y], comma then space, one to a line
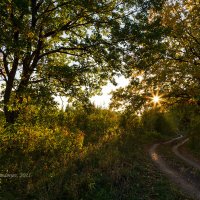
[77, 155]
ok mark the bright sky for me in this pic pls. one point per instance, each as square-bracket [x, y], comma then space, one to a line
[104, 99]
[100, 100]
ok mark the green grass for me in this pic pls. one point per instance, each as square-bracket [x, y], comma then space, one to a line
[194, 148]
[118, 167]
[122, 170]
[63, 167]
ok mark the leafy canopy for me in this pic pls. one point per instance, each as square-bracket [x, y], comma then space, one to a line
[69, 47]
[167, 61]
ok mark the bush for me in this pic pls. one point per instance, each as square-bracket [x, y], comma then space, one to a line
[130, 123]
[38, 152]
[95, 124]
[155, 121]
[44, 143]
[194, 134]
[151, 122]
[47, 152]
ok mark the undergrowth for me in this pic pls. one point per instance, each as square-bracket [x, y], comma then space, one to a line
[64, 155]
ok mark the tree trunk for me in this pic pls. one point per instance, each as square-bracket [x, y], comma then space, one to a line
[9, 114]
[12, 115]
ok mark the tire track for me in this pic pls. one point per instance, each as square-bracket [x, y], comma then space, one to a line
[187, 160]
[186, 187]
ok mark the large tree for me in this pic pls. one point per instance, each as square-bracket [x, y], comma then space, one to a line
[65, 46]
[167, 63]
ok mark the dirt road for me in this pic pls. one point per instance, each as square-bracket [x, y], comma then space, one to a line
[188, 188]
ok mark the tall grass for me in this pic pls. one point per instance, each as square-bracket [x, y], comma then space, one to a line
[78, 154]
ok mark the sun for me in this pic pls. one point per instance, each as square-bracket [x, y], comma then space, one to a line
[156, 99]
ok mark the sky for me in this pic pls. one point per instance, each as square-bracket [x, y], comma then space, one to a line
[100, 100]
[104, 99]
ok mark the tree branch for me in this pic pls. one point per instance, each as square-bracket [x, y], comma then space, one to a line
[37, 81]
[4, 76]
[56, 7]
[5, 62]
[53, 32]
[190, 34]
[33, 13]
[69, 24]
[64, 50]
[39, 4]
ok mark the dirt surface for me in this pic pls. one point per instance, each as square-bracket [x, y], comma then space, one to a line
[188, 160]
[187, 187]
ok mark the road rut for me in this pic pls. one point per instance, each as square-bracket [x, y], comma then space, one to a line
[186, 187]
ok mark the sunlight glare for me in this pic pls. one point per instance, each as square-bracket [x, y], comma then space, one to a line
[156, 99]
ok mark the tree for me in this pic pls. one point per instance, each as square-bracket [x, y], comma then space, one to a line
[65, 45]
[167, 62]
[70, 47]
[179, 74]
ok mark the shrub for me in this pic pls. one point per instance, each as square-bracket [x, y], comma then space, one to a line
[36, 151]
[155, 121]
[194, 134]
